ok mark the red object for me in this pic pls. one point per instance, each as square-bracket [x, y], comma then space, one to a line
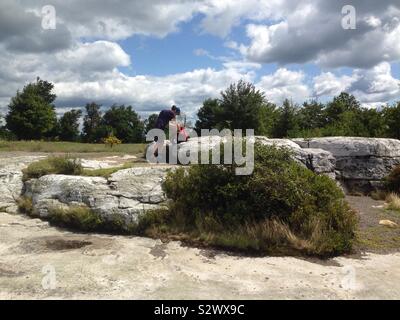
[182, 134]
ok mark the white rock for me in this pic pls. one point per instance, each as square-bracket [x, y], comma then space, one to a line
[354, 146]
[127, 194]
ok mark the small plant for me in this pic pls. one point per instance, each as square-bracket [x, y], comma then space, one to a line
[25, 205]
[393, 202]
[378, 195]
[111, 141]
[52, 165]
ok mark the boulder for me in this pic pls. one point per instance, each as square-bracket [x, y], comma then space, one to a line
[11, 185]
[354, 146]
[318, 160]
[361, 163]
[126, 194]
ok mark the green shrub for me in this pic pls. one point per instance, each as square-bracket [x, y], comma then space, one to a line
[308, 212]
[393, 180]
[52, 165]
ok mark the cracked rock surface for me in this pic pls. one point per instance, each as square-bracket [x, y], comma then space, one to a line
[127, 194]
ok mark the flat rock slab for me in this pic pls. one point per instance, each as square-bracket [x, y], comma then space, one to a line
[126, 194]
[354, 146]
[91, 266]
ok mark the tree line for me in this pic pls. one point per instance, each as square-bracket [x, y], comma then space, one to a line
[31, 115]
[241, 105]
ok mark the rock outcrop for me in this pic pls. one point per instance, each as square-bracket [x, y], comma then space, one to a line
[11, 185]
[318, 160]
[125, 195]
[361, 163]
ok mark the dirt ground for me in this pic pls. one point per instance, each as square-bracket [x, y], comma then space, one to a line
[371, 236]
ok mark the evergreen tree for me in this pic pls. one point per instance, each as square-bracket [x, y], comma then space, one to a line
[91, 122]
[31, 112]
[68, 125]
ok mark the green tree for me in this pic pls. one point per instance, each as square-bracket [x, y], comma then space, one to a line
[286, 124]
[31, 113]
[209, 115]
[240, 107]
[373, 121]
[392, 120]
[150, 122]
[125, 123]
[311, 115]
[68, 125]
[344, 102]
[91, 122]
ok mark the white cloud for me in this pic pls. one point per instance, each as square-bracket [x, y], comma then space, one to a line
[376, 86]
[372, 87]
[328, 84]
[222, 15]
[311, 32]
[149, 94]
[119, 19]
[279, 31]
[285, 84]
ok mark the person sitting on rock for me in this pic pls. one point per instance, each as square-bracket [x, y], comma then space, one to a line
[163, 120]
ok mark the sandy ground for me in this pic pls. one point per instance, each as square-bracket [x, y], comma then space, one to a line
[38, 261]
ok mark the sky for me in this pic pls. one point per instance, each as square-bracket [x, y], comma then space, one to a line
[154, 53]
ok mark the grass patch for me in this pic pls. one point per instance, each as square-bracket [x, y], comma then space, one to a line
[107, 172]
[83, 218]
[25, 206]
[392, 202]
[52, 165]
[76, 217]
[378, 195]
[70, 147]
[377, 239]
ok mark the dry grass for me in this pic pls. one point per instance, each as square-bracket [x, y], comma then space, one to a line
[392, 202]
[70, 147]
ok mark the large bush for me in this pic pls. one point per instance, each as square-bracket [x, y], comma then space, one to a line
[281, 207]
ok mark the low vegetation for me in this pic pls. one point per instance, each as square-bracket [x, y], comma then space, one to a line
[69, 166]
[78, 217]
[25, 205]
[281, 208]
[393, 202]
[106, 172]
[52, 165]
[69, 147]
